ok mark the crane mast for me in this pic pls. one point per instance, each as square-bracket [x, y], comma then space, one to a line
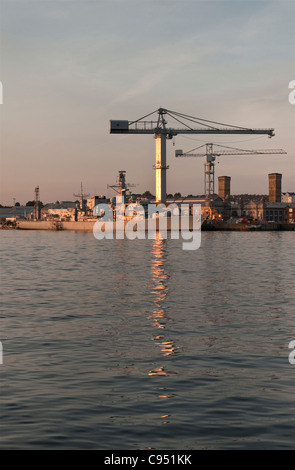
[162, 133]
[212, 153]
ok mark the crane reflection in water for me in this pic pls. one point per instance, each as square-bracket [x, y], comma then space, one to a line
[160, 291]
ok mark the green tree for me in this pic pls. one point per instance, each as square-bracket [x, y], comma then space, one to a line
[147, 195]
[32, 203]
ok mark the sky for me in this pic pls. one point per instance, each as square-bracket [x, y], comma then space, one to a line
[67, 67]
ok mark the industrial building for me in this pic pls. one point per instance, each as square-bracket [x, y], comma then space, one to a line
[288, 197]
[264, 209]
[10, 215]
[272, 209]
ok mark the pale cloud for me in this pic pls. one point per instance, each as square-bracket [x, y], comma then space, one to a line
[158, 66]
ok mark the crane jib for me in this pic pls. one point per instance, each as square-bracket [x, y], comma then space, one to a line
[123, 127]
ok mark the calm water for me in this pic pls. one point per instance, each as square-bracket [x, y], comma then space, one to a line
[138, 344]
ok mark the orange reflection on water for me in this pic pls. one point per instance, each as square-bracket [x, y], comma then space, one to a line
[158, 317]
[158, 371]
[167, 348]
[160, 292]
[159, 278]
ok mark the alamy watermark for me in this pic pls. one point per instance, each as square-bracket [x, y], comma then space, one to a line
[292, 93]
[137, 222]
[292, 353]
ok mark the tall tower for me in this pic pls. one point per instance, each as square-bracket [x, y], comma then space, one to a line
[161, 168]
[275, 187]
[37, 205]
[224, 187]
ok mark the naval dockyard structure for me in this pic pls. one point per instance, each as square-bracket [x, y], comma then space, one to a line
[220, 210]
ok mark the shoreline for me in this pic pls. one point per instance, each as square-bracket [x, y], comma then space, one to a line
[87, 226]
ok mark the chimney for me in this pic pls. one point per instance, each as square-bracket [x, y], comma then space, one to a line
[275, 187]
[224, 187]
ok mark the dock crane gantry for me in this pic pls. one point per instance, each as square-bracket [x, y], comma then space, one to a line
[212, 153]
[162, 133]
